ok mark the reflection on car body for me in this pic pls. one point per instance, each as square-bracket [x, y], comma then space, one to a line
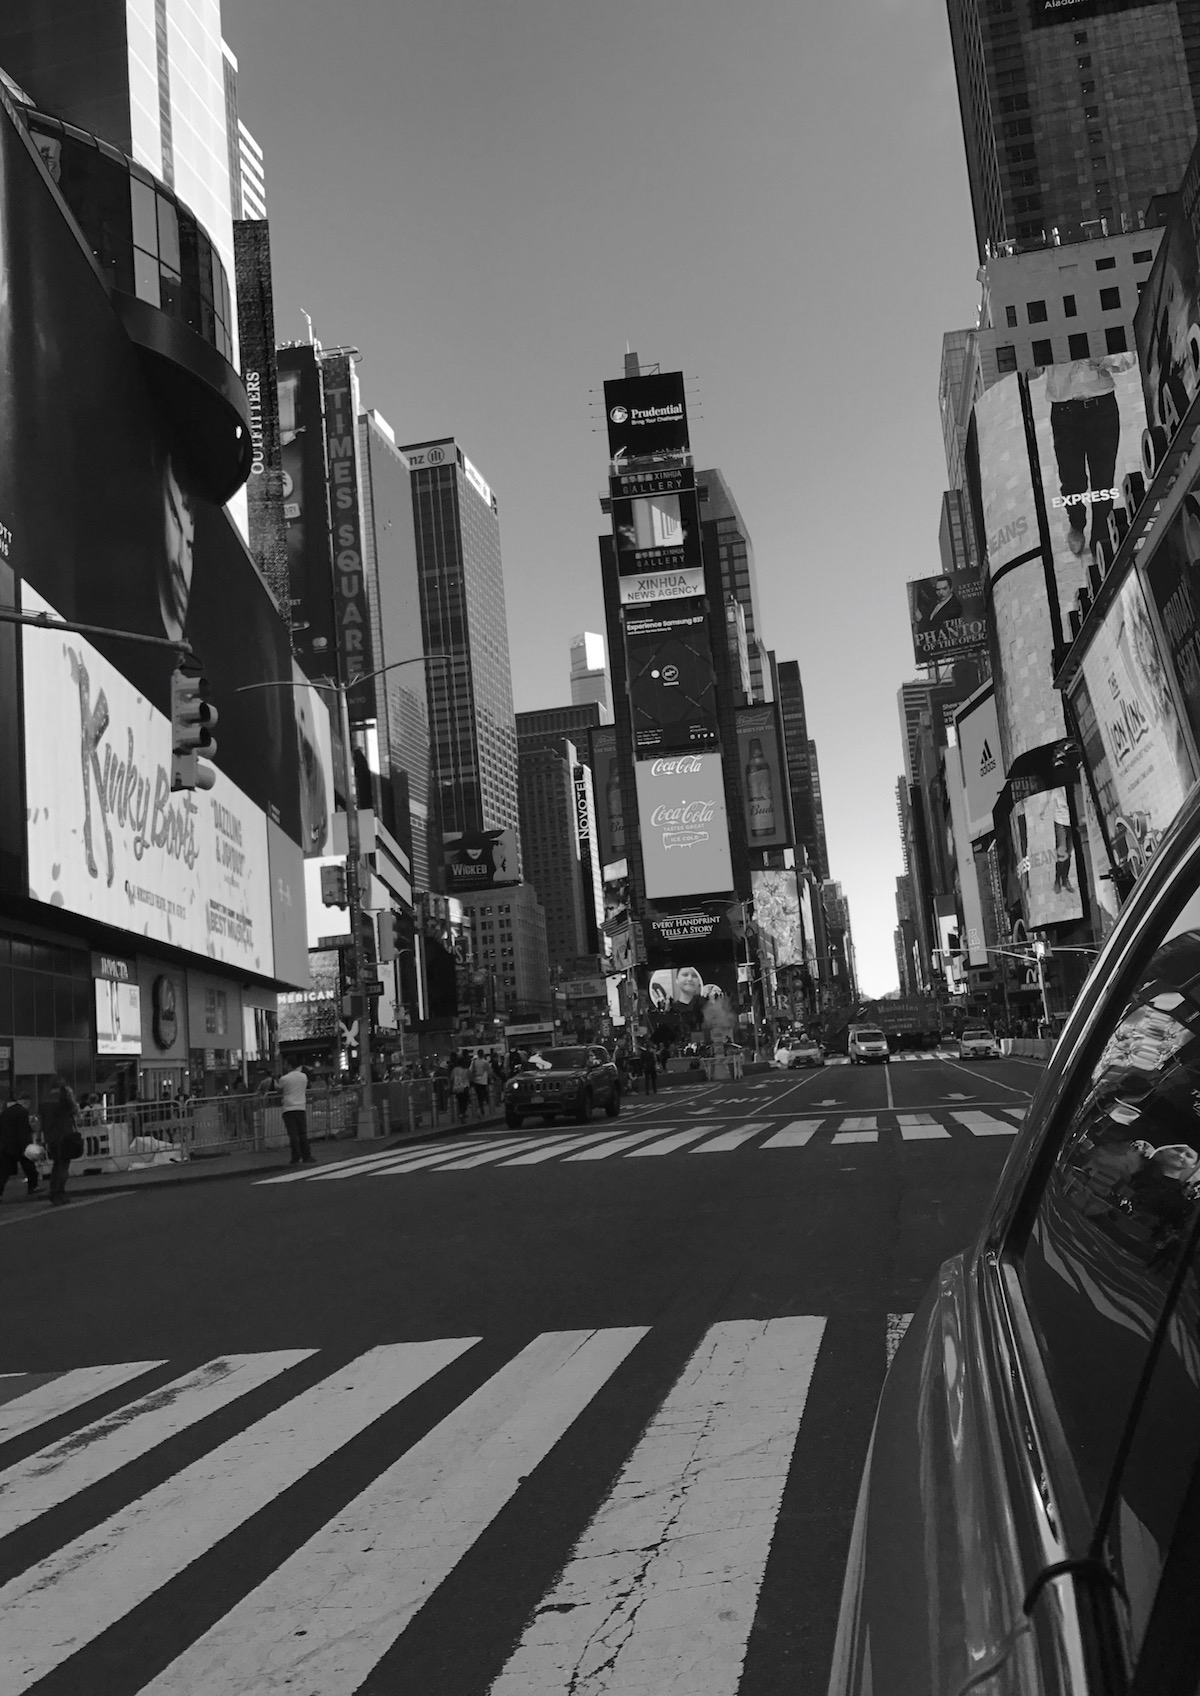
[1030, 1513]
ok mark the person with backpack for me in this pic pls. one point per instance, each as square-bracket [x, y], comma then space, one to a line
[60, 1133]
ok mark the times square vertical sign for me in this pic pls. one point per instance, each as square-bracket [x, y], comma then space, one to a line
[351, 610]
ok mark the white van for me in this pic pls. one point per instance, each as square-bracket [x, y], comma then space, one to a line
[868, 1044]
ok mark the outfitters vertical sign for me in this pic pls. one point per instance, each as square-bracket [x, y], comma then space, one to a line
[351, 611]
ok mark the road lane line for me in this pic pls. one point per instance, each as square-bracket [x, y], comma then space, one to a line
[915, 1127]
[668, 1145]
[887, 1073]
[65, 1393]
[730, 1139]
[983, 1125]
[661, 1589]
[979, 1078]
[63, 1469]
[616, 1145]
[323, 1620]
[557, 1145]
[795, 1135]
[64, 1602]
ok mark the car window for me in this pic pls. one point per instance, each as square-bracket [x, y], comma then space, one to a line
[1106, 1268]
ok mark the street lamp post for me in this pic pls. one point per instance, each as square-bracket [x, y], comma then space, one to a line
[367, 1114]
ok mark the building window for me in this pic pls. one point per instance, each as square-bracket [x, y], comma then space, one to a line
[1069, 308]
[1103, 195]
[1081, 38]
[1087, 88]
[1043, 353]
[1095, 138]
[1091, 113]
[1010, 313]
[1077, 346]
[1108, 264]
[1084, 62]
[1028, 203]
[1110, 300]
[1006, 358]
[1115, 339]
[1143, 256]
[1036, 311]
[1017, 155]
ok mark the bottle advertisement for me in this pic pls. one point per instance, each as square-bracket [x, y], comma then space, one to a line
[764, 789]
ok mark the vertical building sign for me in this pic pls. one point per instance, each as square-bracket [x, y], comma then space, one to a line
[351, 611]
[256, 341]
[764, 785]
[305, 510]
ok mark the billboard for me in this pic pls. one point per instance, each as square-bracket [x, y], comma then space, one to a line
[352, 616]
[979, 750]
[947, 616]
[778, 915]
[606, 780]
[1006, 480]
[1132, 738]
[260, 373]
[306, 509]
[764, 778]
[646, 416]
[1044, 856]
[1088, 419]
[314, 737]
[692, 980]
[1173, 578]
[684, 825]
[480, 859]
[118, 1017]
[1045, 12]
[1166, 326]
[106, 836]
[672, 684]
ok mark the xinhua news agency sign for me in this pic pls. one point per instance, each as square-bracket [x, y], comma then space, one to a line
[351, 615]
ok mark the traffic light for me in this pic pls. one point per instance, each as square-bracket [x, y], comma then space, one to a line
[192, 719]
[388, 925]
[333, 886]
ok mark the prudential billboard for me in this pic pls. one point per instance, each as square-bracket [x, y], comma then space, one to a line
[684, 826]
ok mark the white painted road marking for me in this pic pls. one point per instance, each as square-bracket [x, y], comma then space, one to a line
[860, 1128]
[731, 1138]
[617, 1145]
[983, 1125]
[66, 1600]
[660, 1592]
[668, 1145]
[914, 1127]
[65, 1393]
[795, 1135]
[326, 1616]
[58, 1472]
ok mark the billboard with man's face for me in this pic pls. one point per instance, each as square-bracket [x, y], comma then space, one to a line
[947, 616]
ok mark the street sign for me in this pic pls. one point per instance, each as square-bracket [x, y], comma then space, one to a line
[372, 986]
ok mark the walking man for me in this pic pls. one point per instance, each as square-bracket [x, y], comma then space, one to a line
[650, 1069]
[60, 1132]
[481, 1077]
[293, 1087]
[16, 1133]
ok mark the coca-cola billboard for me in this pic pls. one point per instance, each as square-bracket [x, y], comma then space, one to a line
[684, 826]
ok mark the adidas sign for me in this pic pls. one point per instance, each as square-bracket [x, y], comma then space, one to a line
[987, 762]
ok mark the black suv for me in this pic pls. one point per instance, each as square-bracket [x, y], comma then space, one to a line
[562, 1081]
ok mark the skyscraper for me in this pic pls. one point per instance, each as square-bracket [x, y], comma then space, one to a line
[739, 579]
[462, 614]
[1072, 127]
[589, 672]
[790, 695]
[814, 775]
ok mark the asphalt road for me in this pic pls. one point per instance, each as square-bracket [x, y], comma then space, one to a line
[544, 1412]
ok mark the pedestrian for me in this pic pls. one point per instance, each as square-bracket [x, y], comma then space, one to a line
[60, 1133]
[650, 1070]
[293, 1087]
[460, 1086]
[16, 1135]
[481, 1077]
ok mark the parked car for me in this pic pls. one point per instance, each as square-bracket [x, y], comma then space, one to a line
[867, 1045]
[978, 1044]
[796, 1051]
[563, 1081]
[1029, 1517]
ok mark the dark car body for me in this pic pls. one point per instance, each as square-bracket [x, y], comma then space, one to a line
[1029, 1516]
[564, 1082]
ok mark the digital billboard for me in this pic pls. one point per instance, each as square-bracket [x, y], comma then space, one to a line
[672, 684]
[306, 509]
[106, 835]
[947, 615]
[646, 416]
[1006, 480]
[691, 984]
[684, 825]
[118, 1017]
[1133, 741]
[256, 348]
[480, 859]
[314, 737]
[1046, 12]
[978, 733]
[1166, 326]
[764, 778]
[606, 779]
[1173, 578]
[1044, 856]
[1088, 419]
[777, 914]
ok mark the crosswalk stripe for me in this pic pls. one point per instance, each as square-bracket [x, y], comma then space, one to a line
[731, 1138]
[660, 1591]
[441, 1156]
[795, 1135]
[64, 1394]
[1018, 1113]
[547, 1148]
[60, 1471]
[668, 1145]
[915, 1127]
[395, 1157]
[982, 1124]
[496, 1151]
[858, 1128]
[322, 1621]
[617, 1145]
[329, 1169]
[66, 1600]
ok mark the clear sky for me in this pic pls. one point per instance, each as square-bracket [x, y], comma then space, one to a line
[491, 198]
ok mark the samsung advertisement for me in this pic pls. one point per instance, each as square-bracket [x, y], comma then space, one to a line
[672, 685]
[684, 825]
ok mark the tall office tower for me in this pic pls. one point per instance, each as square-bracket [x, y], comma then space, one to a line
[247, 181]
[789, 692]
[508, 934]
[814, 772]
[1074, 123]
[554, 846]
[462, 614]
[956, 534]
[923, 704]
[736, 555]
[840, 942]
[549, 726]
[589, 672]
